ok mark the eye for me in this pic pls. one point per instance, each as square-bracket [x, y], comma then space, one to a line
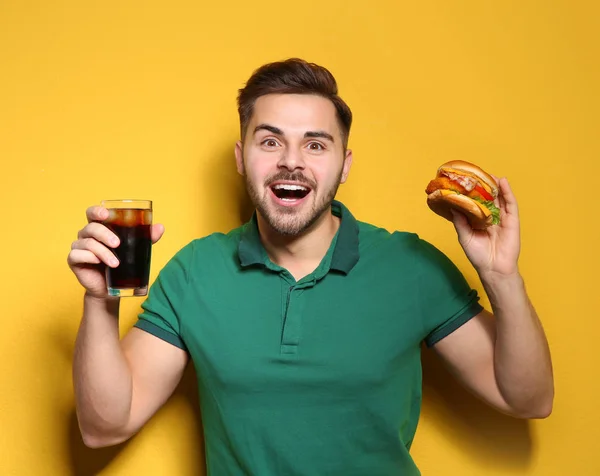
[270, 143]
[316, 146]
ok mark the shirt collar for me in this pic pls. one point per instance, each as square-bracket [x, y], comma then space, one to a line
[345, 254]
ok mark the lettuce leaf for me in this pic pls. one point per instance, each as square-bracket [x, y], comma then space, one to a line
[492, 208]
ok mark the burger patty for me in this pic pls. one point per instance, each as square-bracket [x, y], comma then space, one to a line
[446, 183]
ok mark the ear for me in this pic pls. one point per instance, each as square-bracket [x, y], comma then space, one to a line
[239, 158]
[347, 165]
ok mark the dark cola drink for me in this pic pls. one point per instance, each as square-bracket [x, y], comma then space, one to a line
[130, 221]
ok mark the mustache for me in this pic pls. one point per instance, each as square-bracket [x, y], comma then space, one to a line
[292, 177]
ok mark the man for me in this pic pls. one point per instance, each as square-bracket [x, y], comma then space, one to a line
[305, 324]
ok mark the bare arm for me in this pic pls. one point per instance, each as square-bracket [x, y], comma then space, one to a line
[119, 385]
[504, 358]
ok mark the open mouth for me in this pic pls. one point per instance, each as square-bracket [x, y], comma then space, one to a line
[289, 192]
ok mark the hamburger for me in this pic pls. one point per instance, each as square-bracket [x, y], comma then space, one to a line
[466, 188]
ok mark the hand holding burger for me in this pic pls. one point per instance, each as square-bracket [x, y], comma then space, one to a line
[484, 212]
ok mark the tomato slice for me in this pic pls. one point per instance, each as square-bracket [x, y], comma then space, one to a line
[484, 193]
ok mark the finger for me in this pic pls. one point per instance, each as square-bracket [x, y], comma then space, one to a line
[79, 257]
[156, 232]
[98, 249]
[510, 201]
[96, 214]
[498, 199]
[500, 203]
[100, 233]
[461, 225]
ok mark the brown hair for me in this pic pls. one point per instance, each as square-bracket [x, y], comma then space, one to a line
[292, 76]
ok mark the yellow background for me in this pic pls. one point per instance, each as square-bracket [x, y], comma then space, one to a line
[137, 99]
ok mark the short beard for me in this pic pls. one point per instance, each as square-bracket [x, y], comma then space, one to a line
[285, 222]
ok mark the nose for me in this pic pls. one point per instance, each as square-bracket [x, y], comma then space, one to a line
[291, 159]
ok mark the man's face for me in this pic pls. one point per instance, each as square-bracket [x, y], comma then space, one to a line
[293, 160]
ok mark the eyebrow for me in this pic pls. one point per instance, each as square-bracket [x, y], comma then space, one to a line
[267, 127]
[279, 132]
[321, 134]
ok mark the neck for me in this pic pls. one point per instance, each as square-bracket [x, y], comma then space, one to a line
[300, 254]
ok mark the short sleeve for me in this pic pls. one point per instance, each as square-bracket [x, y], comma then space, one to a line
[162, 311]
[446, 299]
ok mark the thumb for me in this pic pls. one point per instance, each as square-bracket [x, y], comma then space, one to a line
[156, 232]
[461, 225]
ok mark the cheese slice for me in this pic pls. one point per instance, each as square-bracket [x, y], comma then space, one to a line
[486, 211]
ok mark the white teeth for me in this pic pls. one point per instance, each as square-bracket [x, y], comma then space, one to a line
[289, 187]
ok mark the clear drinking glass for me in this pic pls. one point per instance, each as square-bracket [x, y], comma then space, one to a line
[130, 220]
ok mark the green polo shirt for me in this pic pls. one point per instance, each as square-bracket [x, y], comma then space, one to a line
[315, 377]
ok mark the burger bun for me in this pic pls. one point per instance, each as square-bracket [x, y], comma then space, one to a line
[442, 202]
